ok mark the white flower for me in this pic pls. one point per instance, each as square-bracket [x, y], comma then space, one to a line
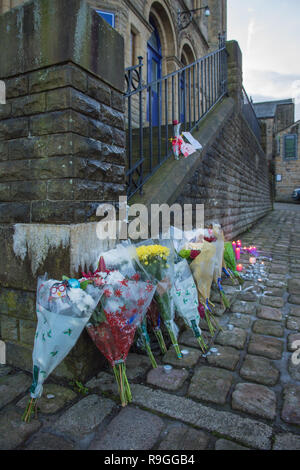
[114, 277]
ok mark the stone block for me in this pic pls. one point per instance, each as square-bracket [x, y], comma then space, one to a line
[275, 302]
[54, 398]
[132, 428]
[16, 431]
[294, 286]
[12, 386]
[84, 417]
[13, 128]
[291, 404]
[293, 323]
[259, 370]
[188, 360]
[268, 327]
[265, 346]
[269, 313]
[14, 212]
[30, 104]
[184, 437]
[168, 381]
[17, 86]
[287, 441]
[254, 399]
[210, 384]
[46, 441]
[226, 358]
[236, 338]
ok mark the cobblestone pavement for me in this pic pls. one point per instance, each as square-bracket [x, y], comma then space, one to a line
[247, 395]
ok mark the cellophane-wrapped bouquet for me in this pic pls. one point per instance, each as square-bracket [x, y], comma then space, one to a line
[63, 310]
[157, 261]
[126, 298]
[186, 299]
[217, 234]
[203, 271]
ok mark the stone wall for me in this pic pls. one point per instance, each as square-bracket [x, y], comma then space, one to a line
[288, 169]
[62, 152]
[232, 179]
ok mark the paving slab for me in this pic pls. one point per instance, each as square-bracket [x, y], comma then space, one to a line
[172, 380]
[46, 441]
[275, 302]
[268, 327]
[5, 370]
[294, 286]
[269, 313]
[246, 431]
[13, 430]
[188, 360]
[265, 346]
[294, 299]
[226, 357]
[293, 323]
[132, 429]
[12, 386]
[287, 441]
[210, 384]
[223, 444]
[295, 310]
[84, 417]
[254, 399]
[259, 370]
[236, 338]
[241, 306]
[184, 437]
[293, 338]
[243, 321]
[54, 398]
[291, 404]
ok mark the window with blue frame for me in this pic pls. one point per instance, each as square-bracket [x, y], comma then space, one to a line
[107, 16]
[290, 147]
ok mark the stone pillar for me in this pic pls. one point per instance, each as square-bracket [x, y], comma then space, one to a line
[62, 152]
[235, 72]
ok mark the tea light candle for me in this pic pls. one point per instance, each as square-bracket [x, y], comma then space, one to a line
[234, 246]
[238, 253]
[167, 369]
[185, 352]
[239, 243]
[239, 267]
[252, 260]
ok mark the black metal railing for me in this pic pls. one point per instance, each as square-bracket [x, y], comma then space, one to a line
[185, 95]
[250, 116]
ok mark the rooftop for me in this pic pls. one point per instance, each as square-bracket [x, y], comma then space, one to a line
[267, 109]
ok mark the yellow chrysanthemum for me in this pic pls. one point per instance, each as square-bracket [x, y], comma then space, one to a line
[148, 253]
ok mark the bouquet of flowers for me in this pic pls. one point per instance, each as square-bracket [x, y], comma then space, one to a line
[157, 261]
[229, 262]
[203, 271]
[186, 299]
[154, 317]
[123, 306]
[63, 310]
[218, 261]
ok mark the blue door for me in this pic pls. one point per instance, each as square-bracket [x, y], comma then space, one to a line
[154, 73]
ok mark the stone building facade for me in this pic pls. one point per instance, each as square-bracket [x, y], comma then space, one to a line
[136, 20]
[287, 161]
[277, 119]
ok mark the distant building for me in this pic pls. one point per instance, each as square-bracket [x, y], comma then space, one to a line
[281, 136]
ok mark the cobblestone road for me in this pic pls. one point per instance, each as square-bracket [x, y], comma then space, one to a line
[245, 395]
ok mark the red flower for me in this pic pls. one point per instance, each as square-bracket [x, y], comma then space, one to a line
[118, 293]
[201, 311]
[107, 293]
[141, 302]
[210, 239]
[124, 282]
[123, 309]
[194, 254]
[149, 288]
[136, 277]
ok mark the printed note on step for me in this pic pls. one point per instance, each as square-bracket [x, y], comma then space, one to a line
[187, 149]
[192, 141]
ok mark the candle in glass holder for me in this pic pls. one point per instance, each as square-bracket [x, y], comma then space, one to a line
[237, 253]
[234, 246]
[239, 267]
[239, 243]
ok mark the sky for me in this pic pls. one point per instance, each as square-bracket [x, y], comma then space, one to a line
[268, 33]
